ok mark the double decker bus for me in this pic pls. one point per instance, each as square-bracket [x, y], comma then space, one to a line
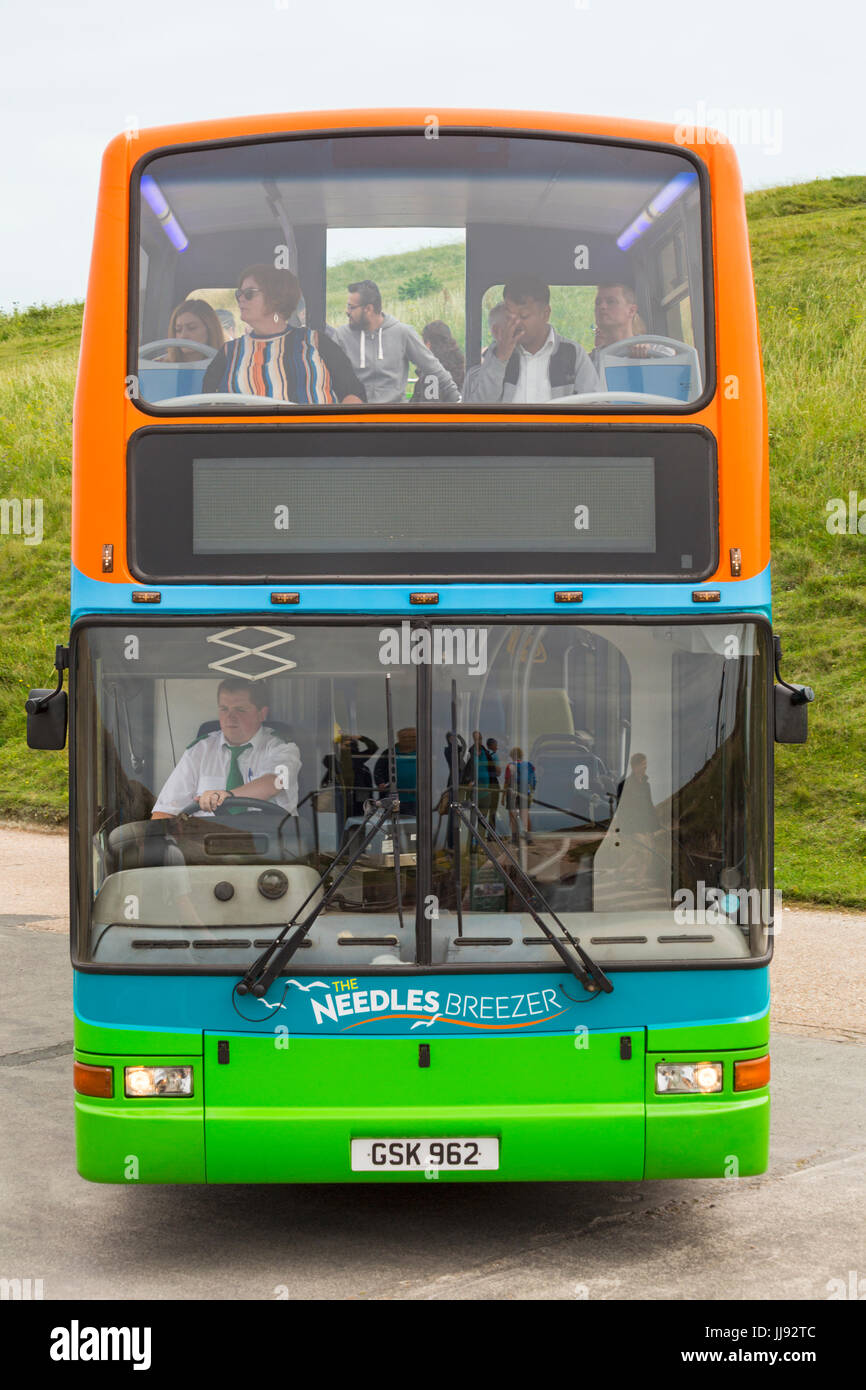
[422, 695]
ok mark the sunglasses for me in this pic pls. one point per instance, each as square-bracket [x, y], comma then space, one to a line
[246, 294]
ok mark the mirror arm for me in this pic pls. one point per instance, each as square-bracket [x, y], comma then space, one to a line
[61, 664]
[802, 694]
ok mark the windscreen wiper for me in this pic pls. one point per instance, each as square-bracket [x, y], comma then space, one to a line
[264, 970]
[452, 820]
[396, 825]
[592, 977]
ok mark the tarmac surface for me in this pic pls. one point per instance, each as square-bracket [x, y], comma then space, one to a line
[796, 1232]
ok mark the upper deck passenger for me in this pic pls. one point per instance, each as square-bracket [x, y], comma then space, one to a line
[531, 361]
[277, 358]
[617, 318]
[438, 339]
[496, 321]
[196, 322]
[380, 349]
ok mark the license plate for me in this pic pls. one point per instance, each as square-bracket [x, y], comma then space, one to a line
[424, 1155]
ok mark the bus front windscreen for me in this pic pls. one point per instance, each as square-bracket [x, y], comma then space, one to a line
[392, 269]
[614, 774]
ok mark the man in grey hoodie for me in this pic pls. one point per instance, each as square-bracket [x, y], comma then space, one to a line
[530, 361]
[380, 349]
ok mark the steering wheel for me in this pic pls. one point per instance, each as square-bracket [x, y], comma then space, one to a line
[615, 398]
[188, 344]
[249, 803]
[227, 398]
[669, 349]
[270, 810]
[675, 347]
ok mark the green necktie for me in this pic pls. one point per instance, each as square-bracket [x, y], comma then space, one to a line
[235, 777]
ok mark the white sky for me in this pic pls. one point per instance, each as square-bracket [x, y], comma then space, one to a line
[74, 74]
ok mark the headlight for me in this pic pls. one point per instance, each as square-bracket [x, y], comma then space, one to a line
[157, 1081]
[688, 1078]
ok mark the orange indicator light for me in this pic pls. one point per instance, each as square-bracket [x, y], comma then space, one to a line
[93, 1081]
[751, 1075]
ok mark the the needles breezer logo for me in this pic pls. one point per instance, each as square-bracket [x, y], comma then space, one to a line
[352, 1005]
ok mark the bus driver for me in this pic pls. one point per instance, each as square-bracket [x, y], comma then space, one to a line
[243, 756]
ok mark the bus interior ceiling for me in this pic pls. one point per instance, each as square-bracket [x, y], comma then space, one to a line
[510, 225]
[540, 683]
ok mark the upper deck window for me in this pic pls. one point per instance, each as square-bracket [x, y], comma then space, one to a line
[504, 272]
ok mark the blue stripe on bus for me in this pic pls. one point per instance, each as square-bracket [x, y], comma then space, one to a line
[94, 596]
[646, 999]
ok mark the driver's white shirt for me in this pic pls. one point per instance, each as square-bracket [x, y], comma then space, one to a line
[205, 767]
[533, 382]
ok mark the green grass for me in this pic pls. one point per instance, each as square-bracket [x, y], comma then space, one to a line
[821, 195]
[807, 244]
[571, 306]
[807, 248]
[37, 373]
[39, 333]
[444, 263]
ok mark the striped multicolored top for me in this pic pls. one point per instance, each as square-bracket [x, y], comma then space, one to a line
[300, 365]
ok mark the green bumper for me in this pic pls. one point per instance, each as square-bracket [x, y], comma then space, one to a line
[563, 1108]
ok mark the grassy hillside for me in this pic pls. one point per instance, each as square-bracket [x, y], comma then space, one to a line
[392, 273]
[38, 351]
[397, 277]
[808, 247]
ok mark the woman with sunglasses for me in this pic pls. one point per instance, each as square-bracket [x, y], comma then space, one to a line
[277, 358]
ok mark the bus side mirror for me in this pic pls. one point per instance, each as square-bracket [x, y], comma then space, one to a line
[47, 713]
[790, 703]
[791, 713]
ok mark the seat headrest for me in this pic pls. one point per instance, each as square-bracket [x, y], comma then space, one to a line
[210, 726]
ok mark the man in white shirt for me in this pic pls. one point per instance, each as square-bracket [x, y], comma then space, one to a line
[530, 361]
[243, 757]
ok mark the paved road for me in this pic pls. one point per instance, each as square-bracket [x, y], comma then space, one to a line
[784, 1235]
